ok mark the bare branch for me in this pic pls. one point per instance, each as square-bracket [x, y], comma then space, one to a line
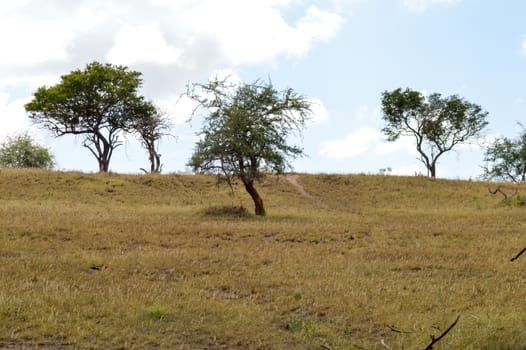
[498, 190]
[518, 255]
[436, 340]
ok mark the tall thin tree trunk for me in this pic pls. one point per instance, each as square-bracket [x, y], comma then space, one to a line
[155, 161]
[104, 159]
[433, 170]
[258, 202]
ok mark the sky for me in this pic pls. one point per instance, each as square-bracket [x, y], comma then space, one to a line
[340, 54]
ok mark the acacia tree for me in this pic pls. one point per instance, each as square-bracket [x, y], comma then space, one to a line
[150, 128]
[506, 159]
[438, 124]
[96, 103]
[245, 131]
[21, 151]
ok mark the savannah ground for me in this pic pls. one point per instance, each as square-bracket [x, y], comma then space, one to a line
[105, 261]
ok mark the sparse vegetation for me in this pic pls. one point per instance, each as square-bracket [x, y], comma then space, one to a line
[226, 211]
[125, 261]
[157, 312]
[21, 151]
[506, 159]
[245, 131]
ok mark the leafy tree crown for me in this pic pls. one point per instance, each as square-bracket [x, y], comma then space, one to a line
[437, 123]
[21, 151]
[246, 129]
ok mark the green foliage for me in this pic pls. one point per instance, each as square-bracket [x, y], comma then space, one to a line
[150, 127]
[517, 200]
[157, 312]
[438, 124]
[298, 293]
[506, 159]
[245, 131]
[21, 151]
[307, 327]
[96, 103]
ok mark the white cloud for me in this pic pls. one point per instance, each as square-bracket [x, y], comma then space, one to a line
[319, 112]
[13, 117]
[355, 144]
[421, 6]
[524, 46]
[32, 42]
[252, 32]
[142, 44]
[170, 41]
[368, 139]
[365, 140]
[178, 108]
[403, 144]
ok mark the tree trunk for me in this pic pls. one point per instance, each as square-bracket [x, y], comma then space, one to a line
[258, 202]
[155, 161]
[433, 170]
[104, 158]
[103, 165]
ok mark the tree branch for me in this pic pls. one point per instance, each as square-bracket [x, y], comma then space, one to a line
[518, 255]
[436, 340]
[499, 190]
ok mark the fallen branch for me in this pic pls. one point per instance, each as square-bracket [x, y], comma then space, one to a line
[518, 255]
[436, 340]
[395, 329]
[499, 190]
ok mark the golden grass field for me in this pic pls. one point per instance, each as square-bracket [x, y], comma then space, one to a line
[106, 261]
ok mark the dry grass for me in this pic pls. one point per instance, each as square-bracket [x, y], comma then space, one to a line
[160, 262]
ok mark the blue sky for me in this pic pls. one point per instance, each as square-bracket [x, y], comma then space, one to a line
[342, 54]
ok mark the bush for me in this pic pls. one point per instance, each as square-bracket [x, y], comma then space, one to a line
[228, 211]
[157, 312]
[21, 151]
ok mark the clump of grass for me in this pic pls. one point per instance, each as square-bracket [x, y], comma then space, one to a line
[297, 294]
[157, 312]
[307, 327]
[517, 200]
[226, 211]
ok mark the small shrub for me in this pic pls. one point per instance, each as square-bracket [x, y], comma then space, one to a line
[298, 293]
[16, 311]
[157, 312]
[232, 211]
[307, 327]
[517, 200]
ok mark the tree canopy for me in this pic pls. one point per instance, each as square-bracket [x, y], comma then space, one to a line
[506, 159]
[150, 128]
[97, 103]
[245, 131]
[437, 123]
[21, 151]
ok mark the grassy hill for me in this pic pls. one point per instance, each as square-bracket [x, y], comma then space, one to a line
[98, 261]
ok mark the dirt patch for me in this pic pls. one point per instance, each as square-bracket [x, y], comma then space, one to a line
[293, 179]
